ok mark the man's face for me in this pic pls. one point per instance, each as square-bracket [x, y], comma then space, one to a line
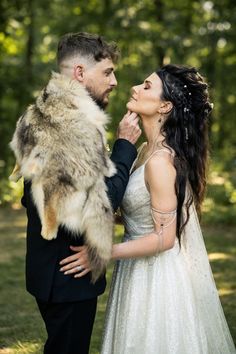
[100, 80]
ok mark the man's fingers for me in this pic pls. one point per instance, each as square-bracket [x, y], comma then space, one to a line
[126, 115]
[135, 126]
[131, 123]
[132, 116]
[136, 122]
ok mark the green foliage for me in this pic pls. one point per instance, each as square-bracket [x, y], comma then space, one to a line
[149, 33]
[220, 202]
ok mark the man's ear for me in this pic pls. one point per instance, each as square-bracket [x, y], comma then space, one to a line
[79, 72]
[166, 107]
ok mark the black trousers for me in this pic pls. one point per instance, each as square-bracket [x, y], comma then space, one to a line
[69, 326]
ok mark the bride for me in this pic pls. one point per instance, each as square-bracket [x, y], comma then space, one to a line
[163, 298]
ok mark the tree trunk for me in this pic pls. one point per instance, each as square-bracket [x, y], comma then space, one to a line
[30, 43]
[158, 48]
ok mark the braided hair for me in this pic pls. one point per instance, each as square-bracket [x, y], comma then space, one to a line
[186, 132]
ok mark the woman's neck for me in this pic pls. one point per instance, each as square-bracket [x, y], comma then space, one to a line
[152, 131]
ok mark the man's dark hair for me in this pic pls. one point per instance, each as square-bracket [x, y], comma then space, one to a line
[86, 44]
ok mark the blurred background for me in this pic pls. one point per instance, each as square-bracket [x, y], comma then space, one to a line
[150, 33]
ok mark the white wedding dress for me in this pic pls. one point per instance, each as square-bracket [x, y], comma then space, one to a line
[166, 304]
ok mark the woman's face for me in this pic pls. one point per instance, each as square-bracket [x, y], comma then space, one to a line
[145, 98]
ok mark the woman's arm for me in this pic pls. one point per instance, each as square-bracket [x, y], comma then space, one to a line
[160, 177]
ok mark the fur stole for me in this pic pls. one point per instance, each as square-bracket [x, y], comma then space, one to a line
[59, 144]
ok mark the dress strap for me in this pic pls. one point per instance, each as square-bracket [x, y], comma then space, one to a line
[157, 151]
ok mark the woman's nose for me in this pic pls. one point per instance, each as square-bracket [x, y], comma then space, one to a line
[134, 89]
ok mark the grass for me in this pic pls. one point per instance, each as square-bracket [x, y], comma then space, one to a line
[21, 328]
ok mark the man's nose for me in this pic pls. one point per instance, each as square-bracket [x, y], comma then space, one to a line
[113, 81]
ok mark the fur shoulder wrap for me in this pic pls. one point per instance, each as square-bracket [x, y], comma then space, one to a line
[59, 144]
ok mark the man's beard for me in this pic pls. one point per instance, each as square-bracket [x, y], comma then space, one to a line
[99, 100]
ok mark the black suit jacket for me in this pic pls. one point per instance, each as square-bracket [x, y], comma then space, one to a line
[43, 278]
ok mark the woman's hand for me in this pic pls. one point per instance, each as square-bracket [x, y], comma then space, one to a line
[78, 263]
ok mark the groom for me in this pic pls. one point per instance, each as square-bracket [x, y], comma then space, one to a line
[68, 303]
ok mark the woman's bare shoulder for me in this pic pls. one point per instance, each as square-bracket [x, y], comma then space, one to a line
[160, 168]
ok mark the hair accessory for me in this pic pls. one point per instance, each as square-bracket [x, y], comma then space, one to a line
[186, 133]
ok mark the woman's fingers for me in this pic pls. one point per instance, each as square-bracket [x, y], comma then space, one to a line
[82, 273]
[72, 265]
[80, 250]
[77, 263]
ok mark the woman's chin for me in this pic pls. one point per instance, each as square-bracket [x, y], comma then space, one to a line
[131, 107]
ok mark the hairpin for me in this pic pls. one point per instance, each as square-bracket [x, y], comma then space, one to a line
[186, 133]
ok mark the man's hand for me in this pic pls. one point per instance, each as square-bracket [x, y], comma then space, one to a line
[77, 264]
[129, 128]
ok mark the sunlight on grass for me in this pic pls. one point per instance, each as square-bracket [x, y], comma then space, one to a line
[21, 235]
[217, 256]
[23, 348]
[26, 347]
[6, 351]
[223, 292]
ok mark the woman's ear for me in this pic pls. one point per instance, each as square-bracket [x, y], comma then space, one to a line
[166, 107]
[79, 72]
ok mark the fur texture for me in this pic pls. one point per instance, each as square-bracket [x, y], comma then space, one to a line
[59, 144]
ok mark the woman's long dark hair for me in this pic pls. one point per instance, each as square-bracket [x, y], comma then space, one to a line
[186, 132]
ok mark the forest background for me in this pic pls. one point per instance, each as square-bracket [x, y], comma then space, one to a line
[150, 33]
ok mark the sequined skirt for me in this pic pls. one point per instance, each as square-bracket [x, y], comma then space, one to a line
[152, 309]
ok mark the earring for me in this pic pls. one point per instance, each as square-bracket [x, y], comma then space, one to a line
[159, 120]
